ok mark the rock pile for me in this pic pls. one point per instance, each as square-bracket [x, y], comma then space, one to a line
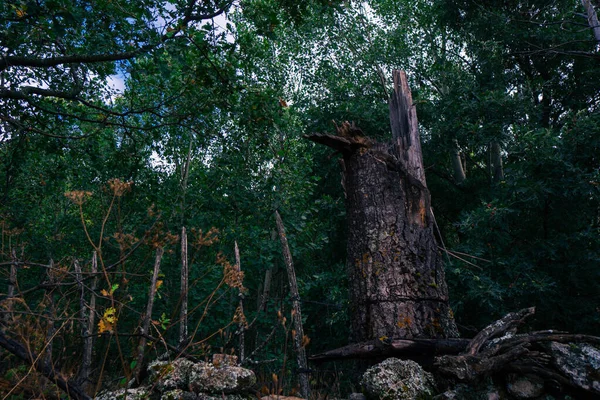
[222, 379]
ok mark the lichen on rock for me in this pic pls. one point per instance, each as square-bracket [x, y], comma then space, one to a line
[170, 375]
[524, 386]
[396, 379]
[141, 393]
[206, 378]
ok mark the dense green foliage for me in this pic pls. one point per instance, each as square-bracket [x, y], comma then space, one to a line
[208, 130]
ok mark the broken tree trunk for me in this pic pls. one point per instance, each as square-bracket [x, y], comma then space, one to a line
[398, 287]
[298, 334]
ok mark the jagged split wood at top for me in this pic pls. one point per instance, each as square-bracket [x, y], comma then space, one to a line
[405, 128]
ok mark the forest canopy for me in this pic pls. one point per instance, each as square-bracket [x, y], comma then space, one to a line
[207, 132]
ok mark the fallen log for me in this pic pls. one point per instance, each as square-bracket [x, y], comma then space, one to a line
[408, 348]
[498, 348]
[567, 360]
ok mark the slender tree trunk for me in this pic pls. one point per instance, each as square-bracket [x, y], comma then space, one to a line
[298, 335]
[264, 298]
[51, 311]
[89, 341]
[12, 284]
[148, 316]
[397, 282]
[457, 165]
[242, 324]
[592, 18]
[183, 316]
[84, 369]
[262, 303]
[496, 162]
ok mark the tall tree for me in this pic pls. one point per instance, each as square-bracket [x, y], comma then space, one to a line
[398, 285]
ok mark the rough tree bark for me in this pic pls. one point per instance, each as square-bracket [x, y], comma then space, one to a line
[398, 287]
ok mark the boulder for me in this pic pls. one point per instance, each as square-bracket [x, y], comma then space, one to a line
[485, 390]
[524, 386]
[357, 396]
[580, 362]
[396, 379]
[178, 394]
[168, 376]
[200, 377]
[206, 378]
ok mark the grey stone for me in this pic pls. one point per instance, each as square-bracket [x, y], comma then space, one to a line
[525, 386]
[178, 394]
[395, 379]
[357, 396]
[202, 396]
[481, 391]
[140, 393]
[206, 378]
[170, 375]
[200, 377]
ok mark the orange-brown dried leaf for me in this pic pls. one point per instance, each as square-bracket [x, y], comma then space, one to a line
[78, 196]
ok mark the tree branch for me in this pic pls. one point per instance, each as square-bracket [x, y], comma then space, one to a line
[21, 61]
